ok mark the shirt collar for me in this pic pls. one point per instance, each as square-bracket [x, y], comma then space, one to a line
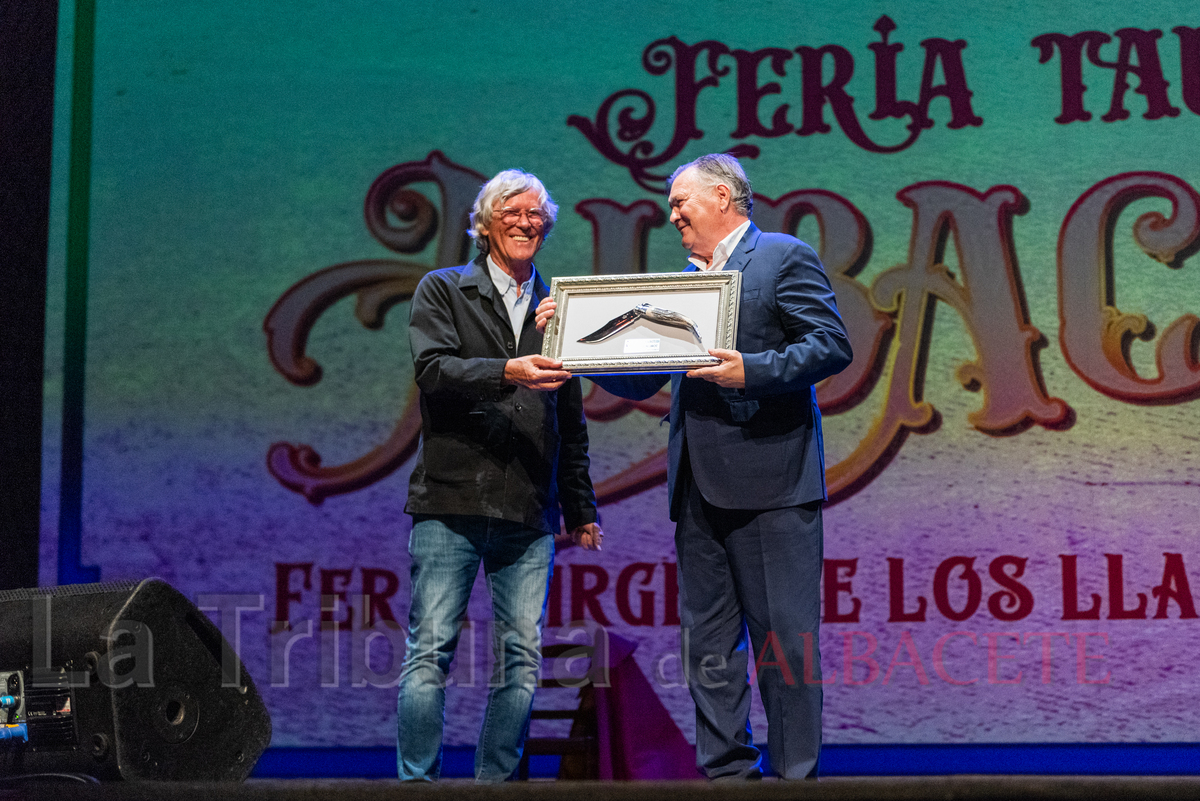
[723, 250]
[505, 283]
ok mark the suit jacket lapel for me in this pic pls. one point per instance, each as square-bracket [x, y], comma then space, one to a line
[745, 247]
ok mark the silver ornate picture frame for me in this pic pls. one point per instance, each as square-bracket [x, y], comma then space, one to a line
[643, 322]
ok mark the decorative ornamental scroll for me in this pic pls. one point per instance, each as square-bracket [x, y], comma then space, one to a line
[404, 221]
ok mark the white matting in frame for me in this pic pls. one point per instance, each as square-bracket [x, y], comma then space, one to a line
[643, 322]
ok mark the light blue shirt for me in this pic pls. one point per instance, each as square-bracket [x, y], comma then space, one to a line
[515, 296]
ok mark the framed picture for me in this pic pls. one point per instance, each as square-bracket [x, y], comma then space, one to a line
[642, 323]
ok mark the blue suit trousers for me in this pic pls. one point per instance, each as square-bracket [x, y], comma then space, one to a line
[755, 573]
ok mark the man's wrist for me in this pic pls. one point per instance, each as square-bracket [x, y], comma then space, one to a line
[510, 372]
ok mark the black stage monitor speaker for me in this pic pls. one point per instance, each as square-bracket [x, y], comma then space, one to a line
[123, 680]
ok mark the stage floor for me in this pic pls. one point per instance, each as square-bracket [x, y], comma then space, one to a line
[974, 788]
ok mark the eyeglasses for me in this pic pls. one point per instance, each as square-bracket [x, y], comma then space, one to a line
[510, 216]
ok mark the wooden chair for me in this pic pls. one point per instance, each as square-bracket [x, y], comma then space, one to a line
[579, 749]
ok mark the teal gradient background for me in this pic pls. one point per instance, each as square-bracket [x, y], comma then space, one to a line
[233, 145]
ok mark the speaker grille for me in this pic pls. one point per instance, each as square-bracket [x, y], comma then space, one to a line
[69, 590]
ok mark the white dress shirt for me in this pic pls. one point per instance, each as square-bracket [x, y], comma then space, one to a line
[723, 249]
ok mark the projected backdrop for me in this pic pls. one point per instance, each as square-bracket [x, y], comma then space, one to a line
[1004, 197]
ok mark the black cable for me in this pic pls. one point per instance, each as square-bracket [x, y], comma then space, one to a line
[82, 778]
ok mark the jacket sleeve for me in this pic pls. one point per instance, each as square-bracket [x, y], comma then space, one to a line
[815, 342]
[635, 387]
[575, 492]
[434, 339]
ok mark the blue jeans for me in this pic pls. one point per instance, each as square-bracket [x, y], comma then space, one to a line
[446, 552]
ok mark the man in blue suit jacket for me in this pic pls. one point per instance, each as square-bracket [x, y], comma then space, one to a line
[746, 480]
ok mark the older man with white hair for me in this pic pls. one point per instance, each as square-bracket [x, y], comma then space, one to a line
[503, 447]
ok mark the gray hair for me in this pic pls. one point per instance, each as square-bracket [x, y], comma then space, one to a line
[505, 185]
[721, 168]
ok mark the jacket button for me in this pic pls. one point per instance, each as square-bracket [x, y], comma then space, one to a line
[510, 346]
[518, 407]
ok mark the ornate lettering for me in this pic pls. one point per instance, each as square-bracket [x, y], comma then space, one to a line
[954, 89]
[1095, 335]
[658, 59]
[941, 587]
[623, 124]
[984, 289]
[1151, 84]
[404, 221]
[1174, 587]
[816, 94]
[1148, 69]
[896, 610]
[645, 614]
[834, 587]
[1070, 66]
[991, 302]
[844, 250]
[1116, 592]
[1015, 601]
[1189, 65]
[619, 233]
[751, 93]
[1070, 592]
[886, 104]
[585, 598]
